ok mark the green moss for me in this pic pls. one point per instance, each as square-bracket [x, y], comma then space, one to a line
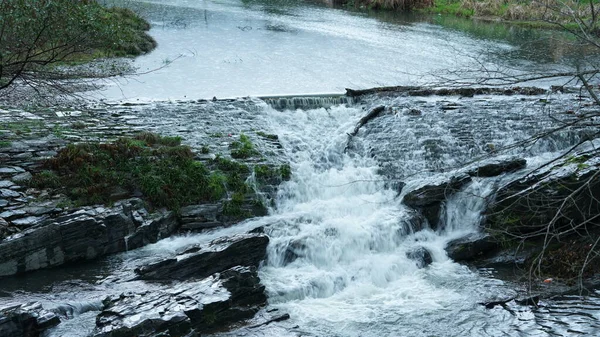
[267, 136]
[5, 143]
[233, 207]
[204, 150]
[164, 172]
[243, 148]
[22, 127]
[286, 172]
[452, 7]
[266, 173]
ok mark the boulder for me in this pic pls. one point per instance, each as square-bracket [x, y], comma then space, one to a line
[239, 250]
[497, 168]
[472, 247]
[184, 309]
[421, 256]
[561, 195]
[428, 199]
[26, 320]
[85, 234]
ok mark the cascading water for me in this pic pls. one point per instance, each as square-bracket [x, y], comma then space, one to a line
[338, 261]
[339, 239]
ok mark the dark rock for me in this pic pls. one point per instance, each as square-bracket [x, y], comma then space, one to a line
[412, 112]
[82, 235]
[498, 168]
[198, 217]
[561, 195]
[26, 320]
[472, 247]
[293, 251]
[185, 308]
[429, 198]
[421, 256]
[221, 254]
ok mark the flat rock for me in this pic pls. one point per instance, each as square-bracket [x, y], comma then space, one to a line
[6, 183]
[22, 177]
[6, 193]
[26, 320]
[85, 234]
[186, 308]
[28, 221]
[219, 255]
[11, 170]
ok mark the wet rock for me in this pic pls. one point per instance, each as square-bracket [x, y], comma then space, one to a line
[6, 183]
[412, 112]
[28, 221]
[421, 256]
[12, 214]
[185, 308]
[240, 250]
[3, 203]
[428, 199]
[472, 247]
[6, 193]
[498, 168]
[82, 235]
[27, 320]
[562, 195]
[293, 251]
[11, 170]
[198, 217]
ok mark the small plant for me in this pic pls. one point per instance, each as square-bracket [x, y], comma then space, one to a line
[204, 150]
[243, 148]
[78, 125]
[267, 136]
[5, 143]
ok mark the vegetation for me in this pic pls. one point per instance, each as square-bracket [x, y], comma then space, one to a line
[243, 148]
[37, 36]
[267, 173]
[405, 5]
[159, 169]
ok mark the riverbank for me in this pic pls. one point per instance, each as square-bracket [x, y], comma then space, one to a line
[550, 15]
[46, 44]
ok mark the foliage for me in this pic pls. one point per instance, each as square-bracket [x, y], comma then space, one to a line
[243, 148]
[37, 34]
[159, 168]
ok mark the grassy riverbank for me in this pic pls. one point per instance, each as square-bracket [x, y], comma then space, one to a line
[568, 14]
[40, 37]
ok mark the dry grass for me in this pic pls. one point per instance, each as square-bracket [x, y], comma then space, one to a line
[537, 10]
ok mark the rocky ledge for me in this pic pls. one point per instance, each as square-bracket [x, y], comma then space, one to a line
[84, 234]
[184, 309]
[202, 289]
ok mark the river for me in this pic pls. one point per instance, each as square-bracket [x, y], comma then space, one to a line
[351, 276]
[245, 48]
